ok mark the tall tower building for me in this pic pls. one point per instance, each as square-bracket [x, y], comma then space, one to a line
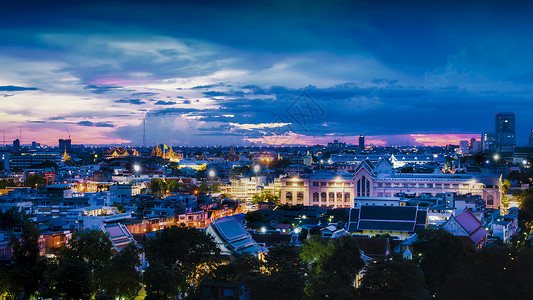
[16, 145]
[506, 130]
[65, 144]
[361, 142]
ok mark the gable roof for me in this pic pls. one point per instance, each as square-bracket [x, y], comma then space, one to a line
[231, 236]
[386, 218]
[466, 224]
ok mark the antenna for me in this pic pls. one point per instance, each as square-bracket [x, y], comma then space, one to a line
[67, 132]
[144, 132]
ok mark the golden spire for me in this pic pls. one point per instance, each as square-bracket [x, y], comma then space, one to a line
[65, 155]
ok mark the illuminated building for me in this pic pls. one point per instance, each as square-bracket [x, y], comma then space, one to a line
[318, 189]
[380, 180]
[26, 160]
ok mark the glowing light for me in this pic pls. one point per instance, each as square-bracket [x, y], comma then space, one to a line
[256, 169]
[524, 162]
[212, 173]
[137, 168]
[496, 156]
[297, 230]
[263, 229]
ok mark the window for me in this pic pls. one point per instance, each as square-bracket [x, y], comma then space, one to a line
[315, 183]
[331, 196]
[315, 197]
[490, 200]
[288, 183]
[301, 183]
[347, 197]
[300, 196]
[339, 197]
[288, 196]
[323, 197]
[323, 183]
[331, 183]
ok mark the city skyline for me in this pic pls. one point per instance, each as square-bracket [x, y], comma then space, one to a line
[238, 73]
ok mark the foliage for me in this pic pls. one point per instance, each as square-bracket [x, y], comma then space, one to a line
[120, 277]
[5, 183]
[265, 196]
[34, 181]
[158, 186]
[391, 280]
[253, 216]
[506, 185]
[28, 266]
[182, 250]
[334, 264]
[486, 276]
[280, 276]
[74, 279]
[440, 254]
[12, 219]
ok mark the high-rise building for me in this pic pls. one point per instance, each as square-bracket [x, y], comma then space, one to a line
[361, 142]
[489, 142]
[65, 144]
[16, 145]
[505, 131]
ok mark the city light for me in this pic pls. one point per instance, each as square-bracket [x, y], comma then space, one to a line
[496, 157]
[136, 168]
[263, 230]
[257, 168]
[212, 173]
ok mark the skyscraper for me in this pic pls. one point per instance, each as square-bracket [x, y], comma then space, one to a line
[361, 142]
[505, 131]
[65, 144]
[16, 145]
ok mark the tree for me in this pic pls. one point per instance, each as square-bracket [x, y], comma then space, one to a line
[4, 183]
[392, 280]
[29, 266]
[74, 279]
[486, 276]
[285, 272]
[506, 185]
[90, 248]
[253, 216]
[159, 281]
[34, 181]
[265, 196]
[158, 186]
[333, 266]
[120, 277]
[440, 254]
[182, 250]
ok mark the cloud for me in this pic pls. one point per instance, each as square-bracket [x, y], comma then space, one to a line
[14, 88]
[102, 89]
[131, 101]
[97, 124]
[161, 102]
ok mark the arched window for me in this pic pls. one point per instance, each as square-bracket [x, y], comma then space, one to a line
[323, 197]
[288, 196]
[300, 196]
[315, 197]
[339, 197]
[363, 187]
[331, 196]
[347, 197]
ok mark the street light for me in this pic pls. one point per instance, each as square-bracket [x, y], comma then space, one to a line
[212, 174]
[496, 157]
[256, 169]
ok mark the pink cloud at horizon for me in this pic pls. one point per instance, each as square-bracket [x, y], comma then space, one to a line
[444, 139]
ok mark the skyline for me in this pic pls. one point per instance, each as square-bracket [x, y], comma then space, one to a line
[235, 72]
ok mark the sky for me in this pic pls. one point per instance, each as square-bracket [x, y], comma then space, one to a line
[263, 72]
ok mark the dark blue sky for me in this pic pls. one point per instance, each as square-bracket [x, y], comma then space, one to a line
[234, 72]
